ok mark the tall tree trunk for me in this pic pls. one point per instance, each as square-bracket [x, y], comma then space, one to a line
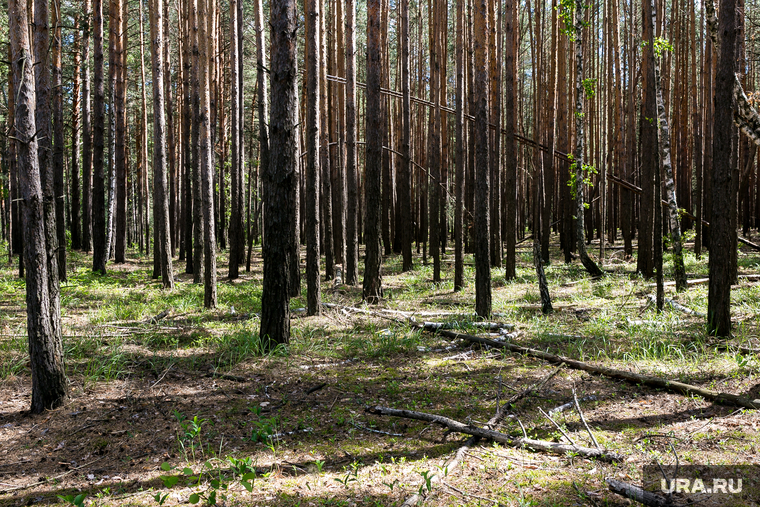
[161, 198]
[578, 158]
[205, 46]
[86, 130]
[76, 137]
[44, 152]
[404, 173]
[326, 180]
[118, 105]
[278, 175]
[434, 142]
[460, 154]
[263, 94]
[313, 14]
[58, 143]
[482, 166]
[648, 140]
[49, 384]
[198, 235]
[724, 143]
[374, 153]
[99, 254]
[352, 177]
[511, 29]
[664, 151]
[236, 229]
[495, 60]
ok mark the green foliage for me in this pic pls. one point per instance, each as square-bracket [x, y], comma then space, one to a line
[75, 500]
[589, 86]
[584, 176]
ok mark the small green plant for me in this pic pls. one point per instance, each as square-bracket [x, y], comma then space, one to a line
[427, 486]
[320, 464]
[589, 86]
[190, 437]
[75, 500]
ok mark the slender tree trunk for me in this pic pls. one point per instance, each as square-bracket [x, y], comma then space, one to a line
[49, 384]
[198, 234]
[434, 143]
[578, 159]
[664, 151]
[724, 143]
[460, 154]
[482, 166]
[236, 229]
[374, 151]
[404, 173]
[118, 104]
[648, 140]
[58, 143]
[313, 14]
[263, 94]
[76, 137]
[511, 30]
[205, 46]
[352, 177]
[99, 254]
[326, 178]
[86, 131]
[278, 175]
[495, 61]
[161, 197]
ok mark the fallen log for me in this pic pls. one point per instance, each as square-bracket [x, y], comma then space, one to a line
[635, 378]
[637, 494]
[542, 445]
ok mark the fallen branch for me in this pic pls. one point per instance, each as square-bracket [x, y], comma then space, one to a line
[502, 438]
[678, 306]
[637, 494]
[570, 404]
[635, 378]
[500, 414]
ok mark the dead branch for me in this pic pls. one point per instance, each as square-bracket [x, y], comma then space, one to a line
[500, 414]
[583, 420]
[635, 378]
[459, 427]
[637, 494]
[678, 306]
[570, 404]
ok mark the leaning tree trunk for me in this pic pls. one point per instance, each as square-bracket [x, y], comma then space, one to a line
[664, 149]
[580, 170]
[278, 175]
[373, 166]
[49, 384]
[161, 206]
[482, 167]
[312, 9]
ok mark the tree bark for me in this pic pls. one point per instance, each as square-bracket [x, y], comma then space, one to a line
[404, 173]
[482, 166]
[313, 14]
[99, 254]
[719, 295]
[278, 176]
[49, 384]
[511, 29]
[236, 227]
[375, 127]
[205, 46]
[86, 130]
[161, 198]
[352, 177]
[119, 105]
[460, 154]
[578, 159]
[76, 138]
[58, 143]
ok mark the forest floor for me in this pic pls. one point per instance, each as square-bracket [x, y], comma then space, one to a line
[184, 407]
